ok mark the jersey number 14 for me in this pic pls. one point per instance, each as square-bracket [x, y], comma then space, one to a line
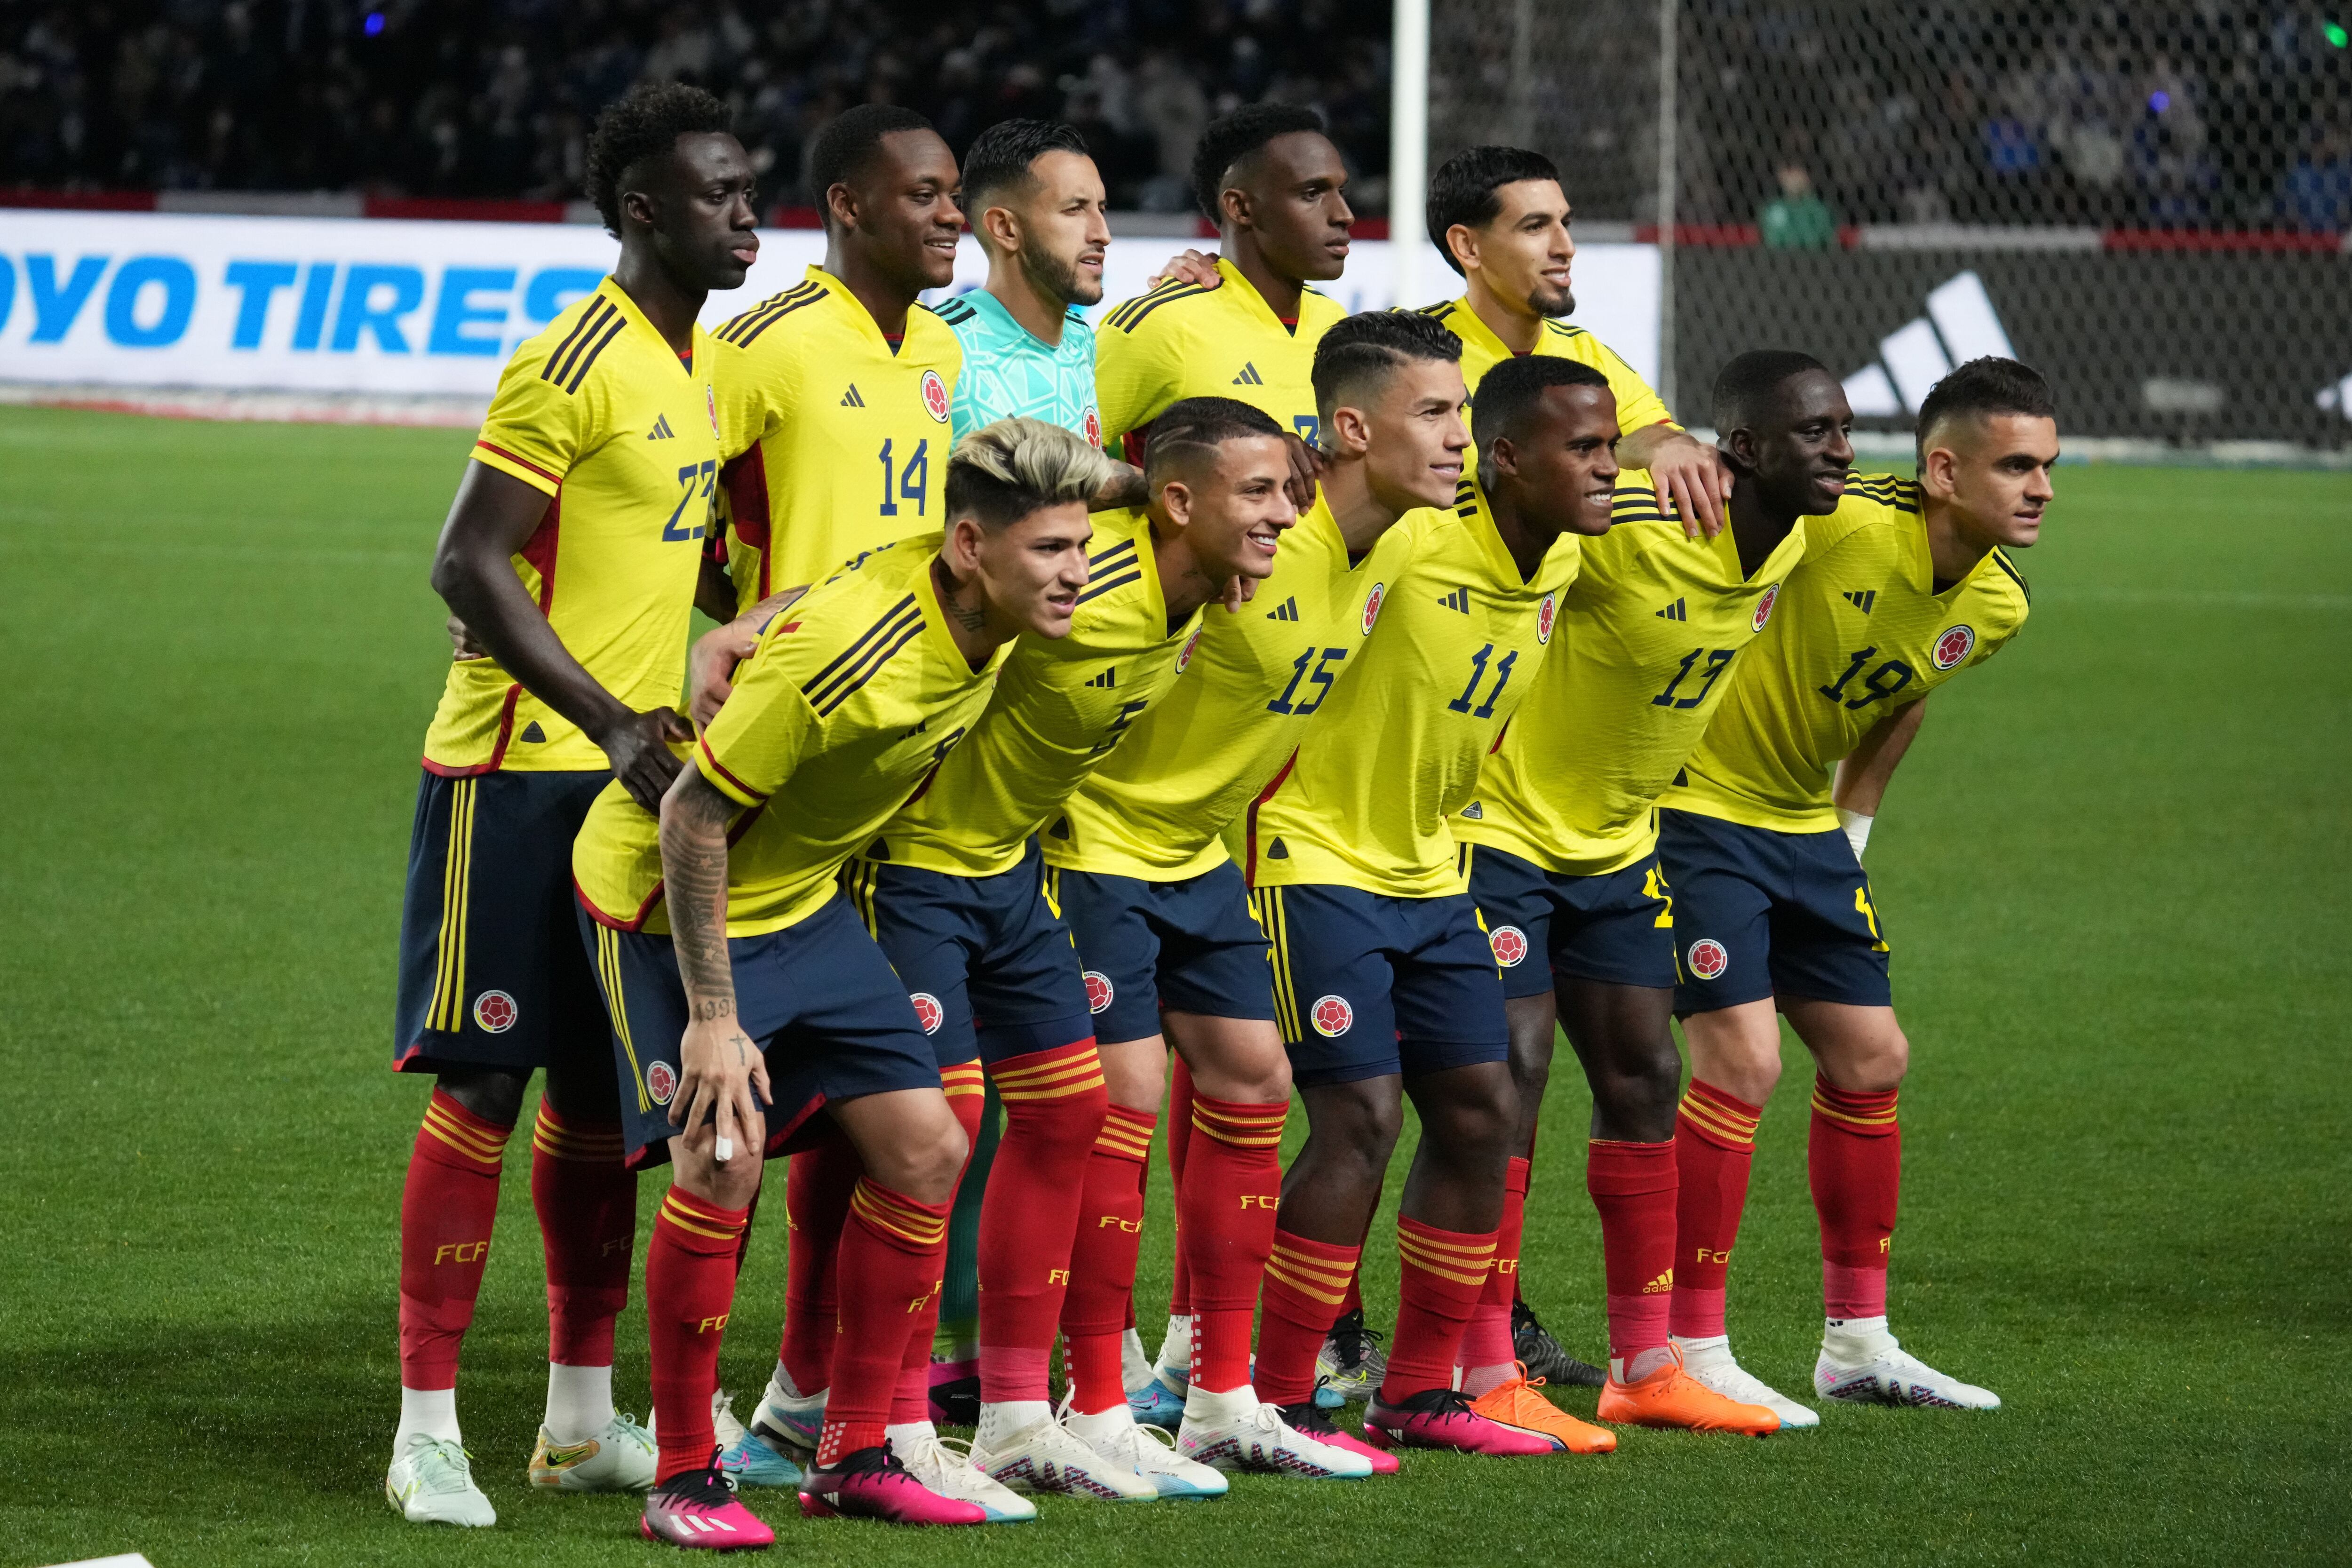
[914, 480]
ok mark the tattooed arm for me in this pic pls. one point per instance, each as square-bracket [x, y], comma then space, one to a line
[711, 666]
[719, 1064]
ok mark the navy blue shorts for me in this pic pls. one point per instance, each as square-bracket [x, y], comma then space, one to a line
[987, 960]
[1760, 913]
[1188, 946]
[491, 974]
[818, 997]
[1368, 986]
[1617, 928]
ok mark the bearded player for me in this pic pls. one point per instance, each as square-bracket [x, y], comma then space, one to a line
[1907, 584]
[606, 417]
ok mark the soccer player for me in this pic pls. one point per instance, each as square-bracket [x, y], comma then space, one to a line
[1383, 980]
[1275, 185]
[955, 892]
[767, 1002]
[571, 555]
[1500, 217]
[1563, 862]
[1163, 920]
[1908, 585]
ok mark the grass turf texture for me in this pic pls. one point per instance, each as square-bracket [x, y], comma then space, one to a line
[2113, 870]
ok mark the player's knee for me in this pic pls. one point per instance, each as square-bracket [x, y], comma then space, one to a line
[924, 1167]
[1360, 1122]
[488, 1092]
[732, 1185]
[1889, 1060]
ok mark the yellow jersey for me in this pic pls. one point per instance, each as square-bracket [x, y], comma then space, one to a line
[855, 695]
[836, 438]
[1638, 407]
[1184, 341]
[1155, 807]
[601, 414]
[1859, 630]
[1062, 706]
[1395, 751]
[1649, 632]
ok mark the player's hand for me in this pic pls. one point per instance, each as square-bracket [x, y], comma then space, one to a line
[710, 668]
[1306, 466]
[719, 1069]
[1240, 591]
[462, 644]
[1693, 482]
[637, 745]
[1188, 267]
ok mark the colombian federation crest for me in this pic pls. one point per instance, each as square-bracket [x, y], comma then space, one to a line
[1764, 608]
[1091, 426]
[1373, 611]
[1544, 614]
[935, 396]
[1332, 1016]
[1185, 657]
[927, 1012]
[1954, 646]
[1510, 946]
[1100, 991]
[494, 1012]
[1708, 958]
[661, 1082]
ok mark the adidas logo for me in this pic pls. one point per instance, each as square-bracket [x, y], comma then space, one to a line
[1106, 681]
[1249, 376]
[1474, 812]
[1060, 829]
[661, 430]
[532, 733]
[1277, 850]
[1285, 611]
[850, 399]
[1457, 600]
[879, 850]
[1861, 598]
[1677, 611]
[920, 725]
[1661, 1285]
[1960, 325]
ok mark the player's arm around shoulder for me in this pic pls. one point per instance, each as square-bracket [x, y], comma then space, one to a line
[719, 1067]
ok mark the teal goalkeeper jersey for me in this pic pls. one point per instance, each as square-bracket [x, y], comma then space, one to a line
[1008, 372]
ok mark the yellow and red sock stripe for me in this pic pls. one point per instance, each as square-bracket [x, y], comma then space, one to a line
[483, 1142]
[1715, 1117]
[1323, 1279]
[1127, 1134]
[1465, 1259]
[695, 1217]
[1242, 1126]
[590, 1142]
[963, 1079]
[885, 1211]
[1050, 1075]
[1862, 1111]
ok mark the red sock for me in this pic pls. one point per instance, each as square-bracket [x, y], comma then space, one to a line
[1633, 1185]
[1854, 1160]
[445, 1211]
[816, 1198]
[1054, 1105]
[1487, 1340]
[1180, 1146]
[587, 1204]
[892, 1249]
[1305, 1283]
[1227, 1204]
[1102, 1259]
[1715, 1143]
[689, 1290]
[966, 1087]
[1441, 1276]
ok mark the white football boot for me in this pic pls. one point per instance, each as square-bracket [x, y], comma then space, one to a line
[1860, 1361]
[1235, 1431]
[1148, 1451]
[431, 1481]
[945, 1467]
[1711, 1363]
[1045, 1456]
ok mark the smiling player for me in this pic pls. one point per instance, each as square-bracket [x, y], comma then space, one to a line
[1908, 586]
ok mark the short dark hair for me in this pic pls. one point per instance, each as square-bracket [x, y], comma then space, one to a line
[849, 140]
[1507, 392]
[1371, 346]
[1001, 156]
[1743, 386]
[1193, 425]
[1986, 387]
[1001, 472]
[646, 123]
[1463, 189]
[1237, 136]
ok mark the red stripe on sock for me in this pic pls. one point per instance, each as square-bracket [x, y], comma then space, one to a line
[1853, 1159]
[1055, 1107]
[1633, 1185]
[1715, 1144]
[446, 1209]
[1441, 1276]
[586, 1199]
[689, 1291]
[892, 1249]
[1304, 1284]
[1226, 1206]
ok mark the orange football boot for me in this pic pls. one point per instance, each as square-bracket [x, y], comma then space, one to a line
[1516, 1403]
[1673, 1397]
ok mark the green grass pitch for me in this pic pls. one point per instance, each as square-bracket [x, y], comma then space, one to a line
[2114, 872]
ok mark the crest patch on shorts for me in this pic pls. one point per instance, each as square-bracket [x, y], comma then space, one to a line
[494, 1012]
[661, 1082]
[1100, 991]
[927, 1012]
[1510, 946]
[1708, 958]
[1331, 1015]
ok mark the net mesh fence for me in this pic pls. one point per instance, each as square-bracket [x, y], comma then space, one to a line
[2149, 202]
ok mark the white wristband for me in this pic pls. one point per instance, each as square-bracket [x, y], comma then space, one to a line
[1857, 828]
